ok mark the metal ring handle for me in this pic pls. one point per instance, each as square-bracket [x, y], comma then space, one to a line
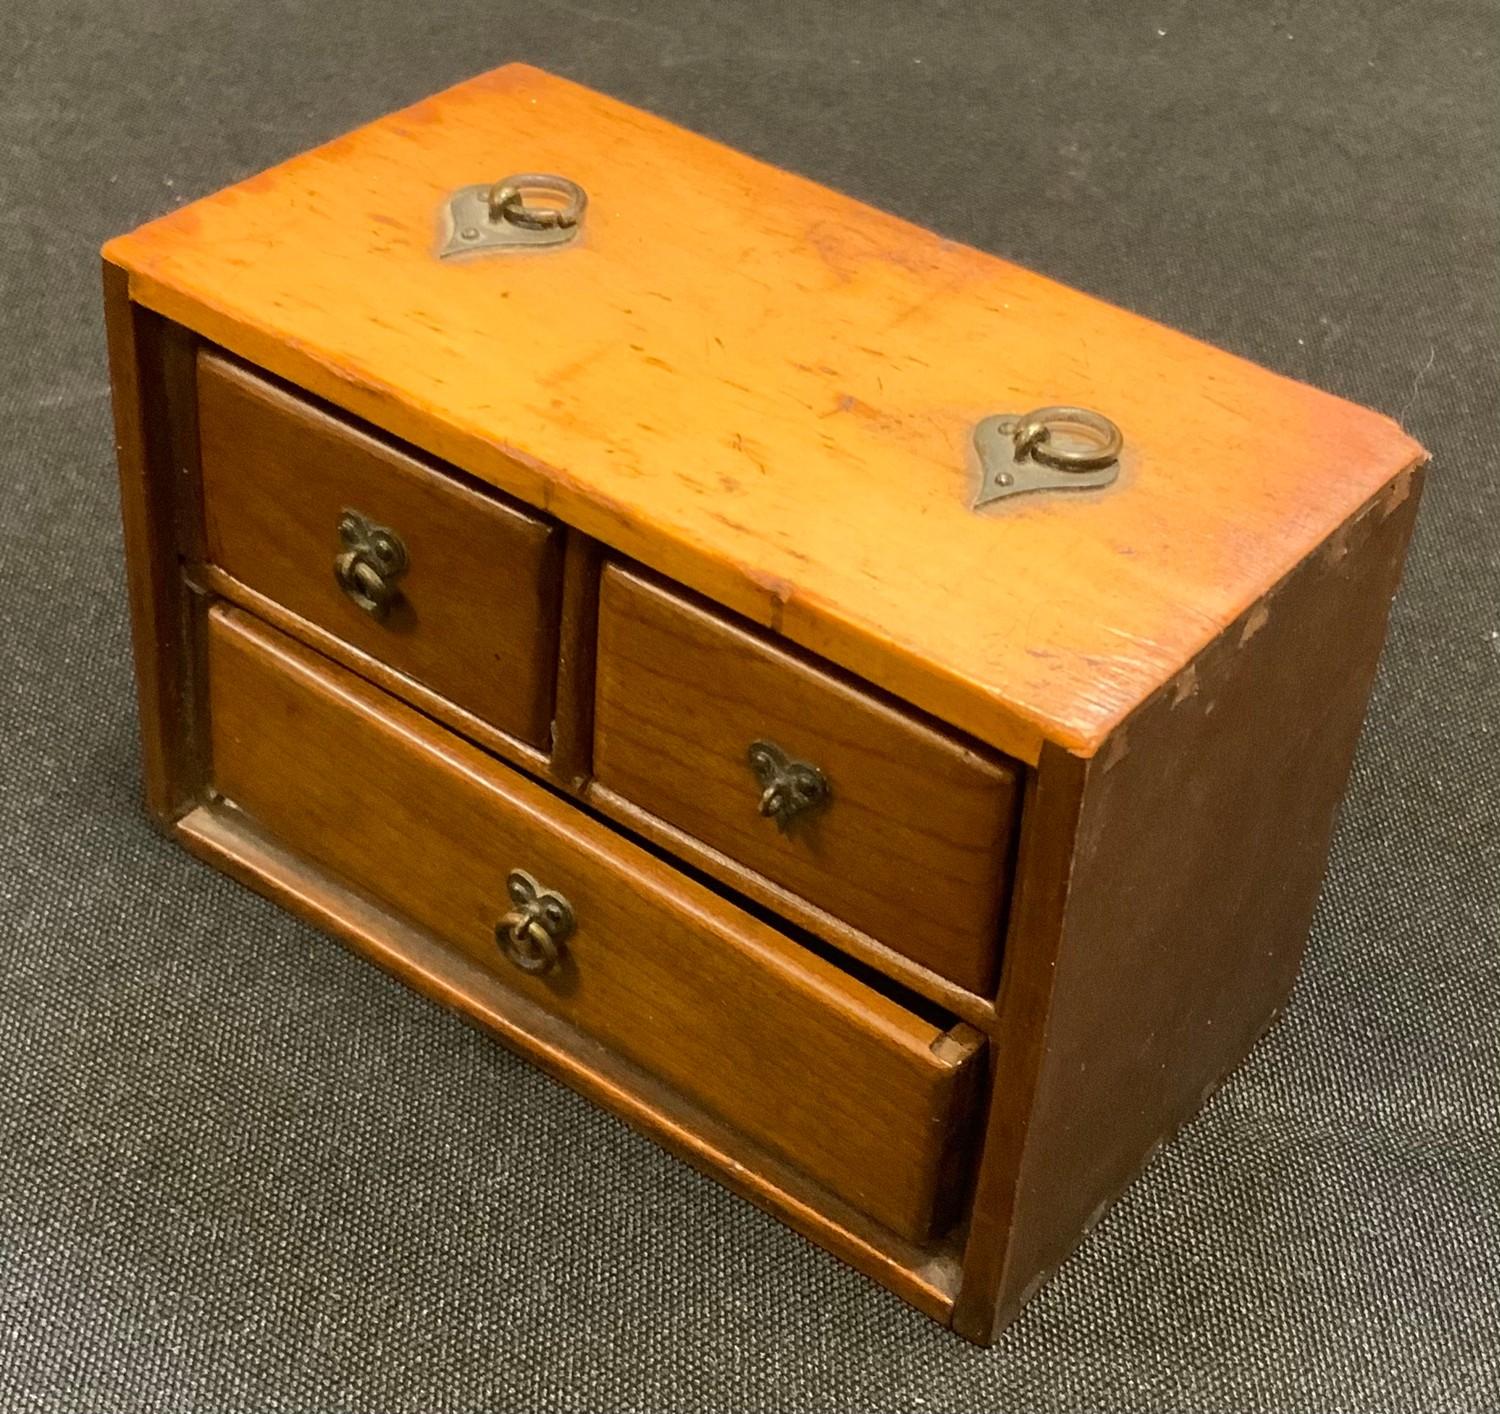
[507, 201]
[364, 584]
[372, 560]
[1032, 436]
[527, 943]
[532, 934]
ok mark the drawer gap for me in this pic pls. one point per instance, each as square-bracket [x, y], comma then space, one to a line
[209, 580]
[929, 1010]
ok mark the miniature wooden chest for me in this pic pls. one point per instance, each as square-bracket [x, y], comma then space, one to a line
[869, 716]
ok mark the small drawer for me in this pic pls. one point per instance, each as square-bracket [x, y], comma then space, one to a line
[869, 1098]
[300, 506]
[881, 820]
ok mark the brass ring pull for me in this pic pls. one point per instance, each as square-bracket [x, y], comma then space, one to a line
[532, 933]
[529, 945]
[507, 201]
[373, 559]
[508, 215]
[1031, 436]
[1020, 452]
[789, 788]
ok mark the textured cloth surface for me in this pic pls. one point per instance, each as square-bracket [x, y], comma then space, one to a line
[240, 1170]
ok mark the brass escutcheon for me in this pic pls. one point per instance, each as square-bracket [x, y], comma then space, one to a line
[526, 211]
[372, 560]
[788, 788]
[532, 934]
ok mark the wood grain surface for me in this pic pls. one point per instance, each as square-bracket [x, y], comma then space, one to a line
[766, 390]
[141, 367]
[926, 1276]
[214, 583]
[1164, 905]
[477, 613]
[913, 846]
[868, 1098]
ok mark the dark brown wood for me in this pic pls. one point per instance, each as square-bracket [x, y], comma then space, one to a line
[1200, 850]
[1053, 800]
[179, 356]
[149, 510]
[847, 1085]
[476, 620]
[925, 1276]
[179, 366]
[573, 725]
[213, 580]
[914, 846]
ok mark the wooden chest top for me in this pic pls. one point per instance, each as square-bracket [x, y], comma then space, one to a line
[768, 391]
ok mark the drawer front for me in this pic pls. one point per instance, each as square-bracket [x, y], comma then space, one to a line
[911, 844]
[472, 615]
[865, 1096]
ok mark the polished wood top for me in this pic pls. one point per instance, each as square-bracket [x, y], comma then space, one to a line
[766, 390]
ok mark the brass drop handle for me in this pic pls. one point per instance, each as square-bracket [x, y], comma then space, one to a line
[1049, 449]
[788, 788]
[506, 215]
[372, 560]
[532, 934]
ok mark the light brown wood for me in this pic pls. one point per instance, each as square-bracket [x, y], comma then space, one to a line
[766, 390]
[476, 619]
[857, 1091]
[913, 847]
[1160, 927]
[926, 1277]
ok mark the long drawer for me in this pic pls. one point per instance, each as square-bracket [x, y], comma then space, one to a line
[866, 1096]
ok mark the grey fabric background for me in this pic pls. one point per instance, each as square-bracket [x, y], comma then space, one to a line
[241, 1171]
